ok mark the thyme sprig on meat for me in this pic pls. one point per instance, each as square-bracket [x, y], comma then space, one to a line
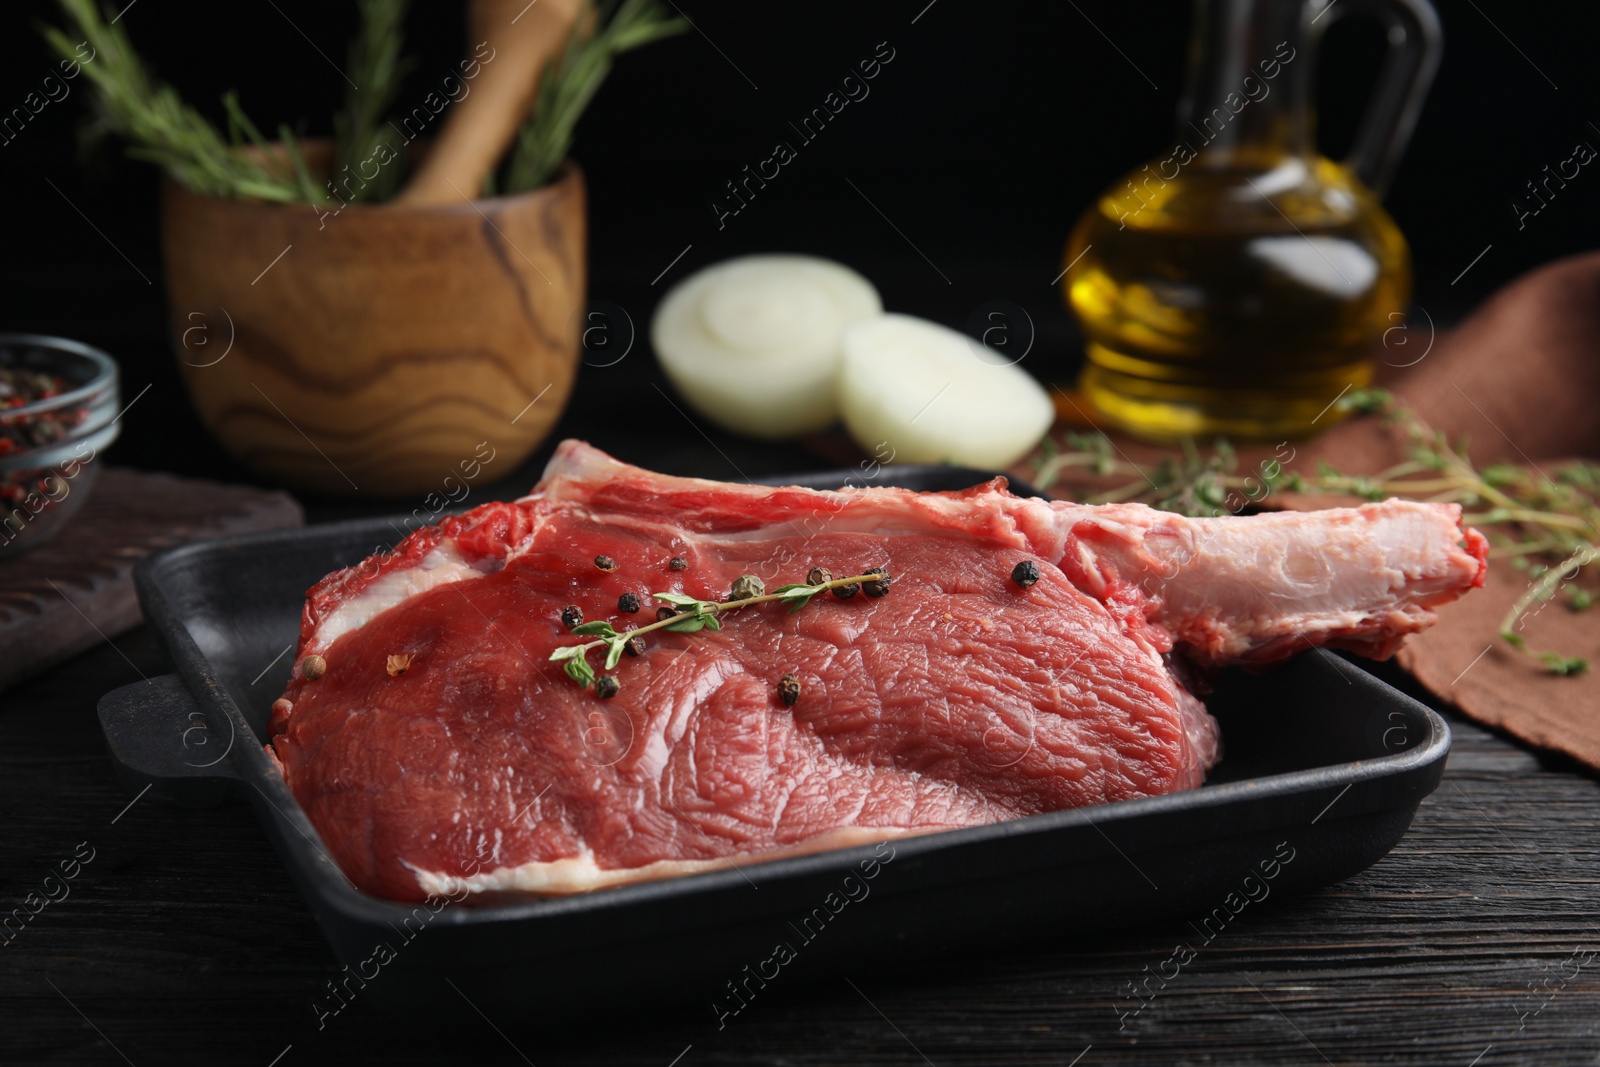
[694, 615]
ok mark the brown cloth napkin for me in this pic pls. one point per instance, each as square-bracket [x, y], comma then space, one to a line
[1520, 378]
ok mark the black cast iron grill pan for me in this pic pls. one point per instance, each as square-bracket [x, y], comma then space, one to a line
[1323, 763]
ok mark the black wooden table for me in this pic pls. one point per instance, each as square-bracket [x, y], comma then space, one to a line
[182, 940]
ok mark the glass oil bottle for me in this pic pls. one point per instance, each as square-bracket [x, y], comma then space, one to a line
[1239, 282]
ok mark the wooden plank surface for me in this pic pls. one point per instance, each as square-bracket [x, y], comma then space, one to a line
[183, 941]
[76, 589]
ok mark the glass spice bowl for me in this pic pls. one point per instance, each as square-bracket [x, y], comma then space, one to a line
[59, 406]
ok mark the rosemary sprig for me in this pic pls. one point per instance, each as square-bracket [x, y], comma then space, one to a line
[602, 33]
[129, 102]
[376, 67]
[160, 127]
[692, 616]
[1552, 520]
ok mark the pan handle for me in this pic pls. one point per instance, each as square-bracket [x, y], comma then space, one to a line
[162, 740]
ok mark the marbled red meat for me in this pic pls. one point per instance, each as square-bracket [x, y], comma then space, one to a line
[960, 698]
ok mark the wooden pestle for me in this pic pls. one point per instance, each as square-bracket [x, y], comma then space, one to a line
[524, 36]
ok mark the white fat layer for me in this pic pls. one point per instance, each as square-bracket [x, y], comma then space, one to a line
[581, 874]
[439, 567]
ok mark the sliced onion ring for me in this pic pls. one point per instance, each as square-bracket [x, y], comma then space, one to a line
[753, 343]
[932, 395]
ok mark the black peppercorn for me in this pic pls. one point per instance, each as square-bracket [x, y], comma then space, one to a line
[747, 587]
[571, 616]
[789, 689]
[664, 613]
[845, 592]
[677, 563]
[628, 603]
[818, 576]
[1025, 573]
[635, 646]
[878, 588]
[605, 563]
[606, 686]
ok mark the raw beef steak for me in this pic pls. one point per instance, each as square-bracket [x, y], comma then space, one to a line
[436, 747]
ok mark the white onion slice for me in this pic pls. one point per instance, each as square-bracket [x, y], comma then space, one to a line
[932, 395]
[753, 343]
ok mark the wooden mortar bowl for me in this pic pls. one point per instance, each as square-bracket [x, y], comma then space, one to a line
[384, 348]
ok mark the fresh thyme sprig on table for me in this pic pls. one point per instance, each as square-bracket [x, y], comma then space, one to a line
[1549, 526]
[696, 615]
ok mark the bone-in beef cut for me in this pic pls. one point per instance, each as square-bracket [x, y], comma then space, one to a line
[436, 747]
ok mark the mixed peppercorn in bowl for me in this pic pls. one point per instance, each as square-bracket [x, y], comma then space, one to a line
[59, 405]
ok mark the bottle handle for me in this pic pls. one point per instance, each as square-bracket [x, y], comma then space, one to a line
[1416, 44]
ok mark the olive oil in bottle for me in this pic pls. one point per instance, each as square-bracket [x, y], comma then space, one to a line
[1240, 283]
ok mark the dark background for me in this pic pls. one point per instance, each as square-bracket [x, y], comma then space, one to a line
[985, 137]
